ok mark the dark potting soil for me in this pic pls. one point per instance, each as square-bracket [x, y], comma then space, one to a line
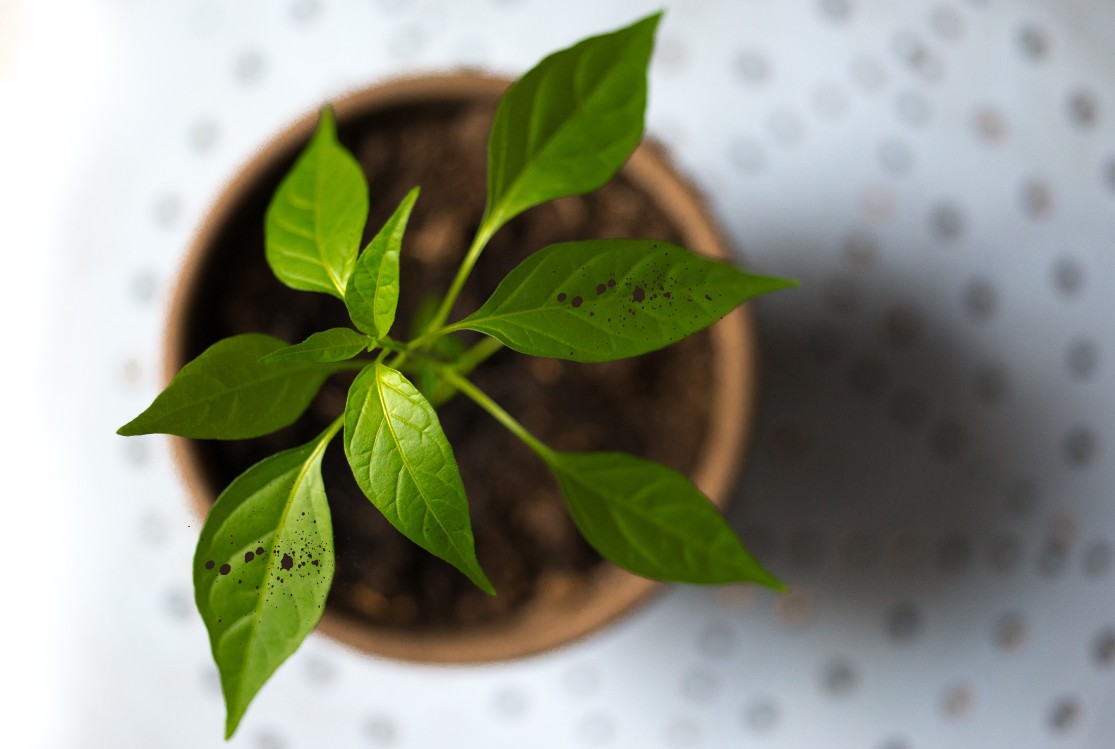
[655, 406]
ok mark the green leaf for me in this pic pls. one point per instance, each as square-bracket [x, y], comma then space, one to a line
[373, 289]
[335, 344]
[404, 464]
[313, 226]
[227, 393]
[262, 569]
[651, 520]
[609, 299]
[570, 123]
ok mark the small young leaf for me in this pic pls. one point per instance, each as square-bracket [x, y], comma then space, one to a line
[262, 569]
[404, 464]
[313, 226]
[608, 299]
[227, 393]
[373, 289]
[651, 520]
[335, 344]
[570, 123]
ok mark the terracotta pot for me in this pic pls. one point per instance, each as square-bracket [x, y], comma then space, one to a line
[607, 594]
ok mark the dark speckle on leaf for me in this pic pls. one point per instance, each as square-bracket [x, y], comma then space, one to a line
[708, 297]
[611, 282]
[288, 562]
[225, 569]
[561, 297]
[210, 564]
[259, 551]
[577, 301]
[601, 288]
[639, 295]
[249, 556]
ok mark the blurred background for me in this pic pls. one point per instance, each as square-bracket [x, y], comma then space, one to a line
[932, 472]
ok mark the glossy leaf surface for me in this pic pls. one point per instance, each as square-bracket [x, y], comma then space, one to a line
[315, 220]
[651, 520]
[228, 393]
[262, 569]
[333, 345]
[404, 464]
[373, 289]
[609, 299]
[569, 123]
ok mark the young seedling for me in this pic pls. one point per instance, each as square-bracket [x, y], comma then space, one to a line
[264, 561]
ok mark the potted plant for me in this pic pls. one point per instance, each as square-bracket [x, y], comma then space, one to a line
[265, 557]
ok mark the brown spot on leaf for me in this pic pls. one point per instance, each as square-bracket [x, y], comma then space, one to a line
[225, 569]
[577, 301]
[708, 297]
[288, 562]
[639, 294]
[611, 282]
[259, 551]
[249, 556]
[210, 564]
[561, 297]
[601, 288]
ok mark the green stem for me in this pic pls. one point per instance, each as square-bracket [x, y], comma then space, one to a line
[465, 364]
[331, 432]
[352, 365]
[481, 399]
[483, 234]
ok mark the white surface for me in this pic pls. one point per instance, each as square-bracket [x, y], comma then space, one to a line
[933, 467]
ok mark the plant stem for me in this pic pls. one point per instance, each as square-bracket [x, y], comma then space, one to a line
[465, 364]
[481, 399]
[483, 234]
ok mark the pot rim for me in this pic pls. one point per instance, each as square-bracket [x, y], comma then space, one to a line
[610, 592]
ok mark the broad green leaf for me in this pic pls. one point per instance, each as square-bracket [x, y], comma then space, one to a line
[569, 123]
[227, 393]
[651, 520]
[335, 344]
[404, 464]
[607, 299]
[262, 569]
[373, 289]
[314, 223]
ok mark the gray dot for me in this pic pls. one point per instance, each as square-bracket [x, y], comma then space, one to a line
[761, 715]
[990, 125]
[1003, 553]
[596, 728]
[842, 297]
[980, 299]
[957, 701]
[1068, 277]
[954, 554]
[946, 222]
[178, 604]
[269, 740]
[904, 622]
[716, 642]
[868, 74]
[861, 249]
[394, 6]
[835, 10]
[896, 157]
[510, 703]
[152, 528]
[751, 66]
[1082, 358]
[746, 155]
[136, 452]
[948, 439]
[203, 135]
[211, 679]
[319, 671]
[1064, 715]
[1083, 109]
[302, 11]
[582, 681]
[1109, 174]
[1011, 631]
[947, 23]
[249, 67]
[909, 408]
[861, 550]
[901, 326]
[826, 341]
[912, 52]
[1103, 648]
[868, 377]
[912, 108]
[829, 101]
[990, 383]
[671, 54]
[1097, 558]
[785, 127]
[905, 552]
[167, 209]
[407, 42]
[894, 742]
[789, 443]
[805, 549]
[700, 686]
[1080, 446]
[683, 733]
[760, 540]
[1037, 199]
[381, 730]
[1033, 42]
[1022, 497]
[143, 286]
[130, 371]
[839, 678]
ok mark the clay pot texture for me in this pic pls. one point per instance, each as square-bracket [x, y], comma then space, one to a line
[607, 592]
